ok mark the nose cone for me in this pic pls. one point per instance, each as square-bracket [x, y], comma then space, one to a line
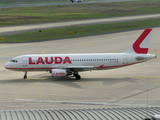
[7, 65]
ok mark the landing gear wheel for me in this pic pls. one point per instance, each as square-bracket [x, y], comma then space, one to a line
[78, 77]
[25, 77]
[74, 74]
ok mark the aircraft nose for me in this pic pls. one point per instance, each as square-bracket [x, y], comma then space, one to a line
[7, 65]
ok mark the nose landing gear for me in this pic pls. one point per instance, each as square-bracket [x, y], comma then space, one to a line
[25, 75]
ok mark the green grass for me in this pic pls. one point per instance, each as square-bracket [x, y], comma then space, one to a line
[80, 31]
[44, 14]
[6, 2]
[12, 2]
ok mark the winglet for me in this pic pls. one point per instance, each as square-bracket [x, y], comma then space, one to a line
[141, 45]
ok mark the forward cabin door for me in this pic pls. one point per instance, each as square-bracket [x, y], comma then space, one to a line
[24, 61]
[125, 59]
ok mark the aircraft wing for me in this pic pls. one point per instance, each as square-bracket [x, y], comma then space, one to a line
[76, 68]
[80, 68]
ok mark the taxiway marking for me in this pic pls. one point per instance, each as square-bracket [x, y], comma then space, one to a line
[39, 94]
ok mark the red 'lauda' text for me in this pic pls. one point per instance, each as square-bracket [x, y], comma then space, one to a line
[50, 60]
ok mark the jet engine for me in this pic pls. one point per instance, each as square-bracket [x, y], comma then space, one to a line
[59, 72]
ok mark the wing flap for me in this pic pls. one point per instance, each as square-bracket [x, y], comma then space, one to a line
[77, 68]
[81, 67]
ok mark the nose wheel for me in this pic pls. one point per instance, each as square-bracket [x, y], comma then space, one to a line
[25, 75]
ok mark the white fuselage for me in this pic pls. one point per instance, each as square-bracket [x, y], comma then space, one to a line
[42, 62]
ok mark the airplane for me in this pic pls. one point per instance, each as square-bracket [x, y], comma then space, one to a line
[78, 1]
[62, 65]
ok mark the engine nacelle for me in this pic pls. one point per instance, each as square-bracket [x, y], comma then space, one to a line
[59, 72]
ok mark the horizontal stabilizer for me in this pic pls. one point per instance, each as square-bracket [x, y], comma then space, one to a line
[148, 57]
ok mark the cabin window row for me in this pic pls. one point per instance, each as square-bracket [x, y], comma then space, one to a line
[94, 60]
[77, 60]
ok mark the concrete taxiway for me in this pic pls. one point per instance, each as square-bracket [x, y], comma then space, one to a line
[136, 85]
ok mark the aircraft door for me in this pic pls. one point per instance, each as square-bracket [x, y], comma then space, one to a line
[125, 59]
[24, 61]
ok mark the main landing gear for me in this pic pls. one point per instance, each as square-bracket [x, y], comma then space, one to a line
[75, 74]
[25, 75]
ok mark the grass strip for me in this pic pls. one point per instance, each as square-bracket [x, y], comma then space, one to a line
[79, 31]
[57, 13]
[12, 2]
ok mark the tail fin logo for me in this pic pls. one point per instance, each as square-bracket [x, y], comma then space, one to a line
[136, 46]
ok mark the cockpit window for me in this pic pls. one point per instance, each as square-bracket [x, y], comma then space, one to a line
[13, 60]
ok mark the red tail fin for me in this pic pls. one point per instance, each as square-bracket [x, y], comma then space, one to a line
[141, 45]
